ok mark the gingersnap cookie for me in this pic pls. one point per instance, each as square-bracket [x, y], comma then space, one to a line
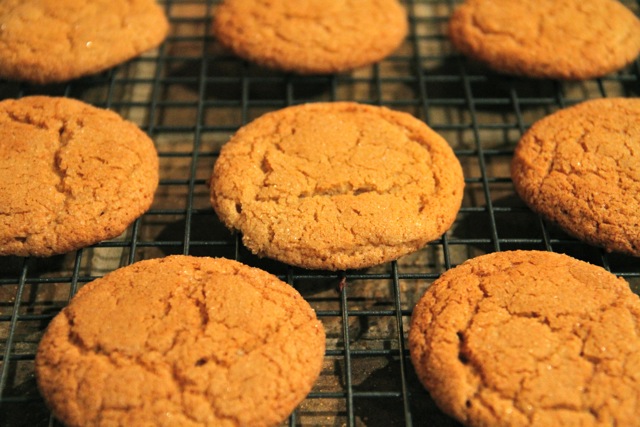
[580, 167]
[529, 338]
[570, 39]
[337, 185]
[71, 175]
[48, 41]
[311, 37]
[182, 341]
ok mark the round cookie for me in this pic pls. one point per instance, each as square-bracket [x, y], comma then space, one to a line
[311, 36]
[580, 167]
[529, 338]
[48, 41]
[181, 341]
[337, 185]
[570, 39]
[71, 175]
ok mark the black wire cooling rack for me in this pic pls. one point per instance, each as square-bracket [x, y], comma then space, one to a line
[190, 96]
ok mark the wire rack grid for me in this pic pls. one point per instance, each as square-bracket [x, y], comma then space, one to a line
[189, 95]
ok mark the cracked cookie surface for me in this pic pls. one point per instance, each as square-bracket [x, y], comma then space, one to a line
[311, 36]
[181, 341]
[337, 185]
[47, 41]
[580, 167]
[71, 175]
[530, 338]
[569, 39]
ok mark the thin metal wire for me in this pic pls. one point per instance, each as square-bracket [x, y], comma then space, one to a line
[401, 346]
[348, 380]
[196, 140]
[481, 157]
[12, 328]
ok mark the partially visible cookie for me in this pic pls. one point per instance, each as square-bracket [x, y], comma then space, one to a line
[530, 338]
[337, 185]
[311, 37]
[569, 39]
[70, 175]
[181, 341]
[580, 167]
[48, 41]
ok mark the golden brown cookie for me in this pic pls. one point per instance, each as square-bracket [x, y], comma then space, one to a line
[46, 41]
[181, 341]
[580, 167]
[70, 175]
[337, 185]
[311, 36]
[569, 39]
[530, 338]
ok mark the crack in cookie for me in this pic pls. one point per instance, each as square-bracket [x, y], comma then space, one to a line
[580, 168]
[311, 36]
[529, 338]
[181, 341]
[569, 39]
[70, 175]
[49, 41]
[337, 185]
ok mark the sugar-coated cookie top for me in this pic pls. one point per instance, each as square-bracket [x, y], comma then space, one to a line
[568, 39]
[530, 338]
[311, 36]
[181, 341]
[47, 41]
[337, 185]
[70, 175]
[580, 167]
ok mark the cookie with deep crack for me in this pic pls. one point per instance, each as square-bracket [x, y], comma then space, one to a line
[580, 168]
[570, 39]
[49, 41]
[71, 175]
[181, 341]
[530, 338]
[311, 37]
[337, 185]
